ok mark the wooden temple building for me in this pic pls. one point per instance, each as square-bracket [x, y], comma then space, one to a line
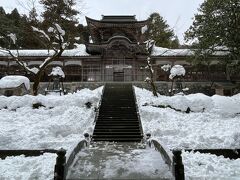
[116, 52]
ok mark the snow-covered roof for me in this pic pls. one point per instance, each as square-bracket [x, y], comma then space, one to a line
[160, 51]
[80, 50]
[14, 81]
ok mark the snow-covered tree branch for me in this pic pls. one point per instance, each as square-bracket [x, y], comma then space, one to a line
[55, 40]
[150, 80]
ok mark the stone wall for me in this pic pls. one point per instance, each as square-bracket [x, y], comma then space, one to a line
[163, 87]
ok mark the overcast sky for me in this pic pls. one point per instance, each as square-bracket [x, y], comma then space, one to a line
[177, 13]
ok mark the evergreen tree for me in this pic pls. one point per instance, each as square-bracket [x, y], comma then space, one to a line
[8, 23]
[159, 31]
[33, 17]
[84, 33]
[216, 27]
[63, 13]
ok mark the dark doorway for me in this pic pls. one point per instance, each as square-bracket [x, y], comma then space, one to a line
[118, 76]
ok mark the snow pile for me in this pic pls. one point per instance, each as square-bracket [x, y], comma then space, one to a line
[50, 101]
[212, 122]
[61, 123]
[14, 81]
[207, 166]
[177, 70]
[23, 168]
[197, 102]
[57, 71]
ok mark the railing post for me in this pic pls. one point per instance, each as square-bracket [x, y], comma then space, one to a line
[178, 166]
[60, 165]
[148, 139]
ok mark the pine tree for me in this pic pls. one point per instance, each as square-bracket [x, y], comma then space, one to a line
[159, 31]
[216, 27]
[63, 13]
[33, 17]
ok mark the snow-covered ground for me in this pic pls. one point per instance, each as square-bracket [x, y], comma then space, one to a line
[106, 160]
[59, 123]
[212, 122]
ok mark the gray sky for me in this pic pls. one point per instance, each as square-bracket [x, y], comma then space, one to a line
[177, 13]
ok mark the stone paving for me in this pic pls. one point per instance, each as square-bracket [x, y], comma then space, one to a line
[105, 160]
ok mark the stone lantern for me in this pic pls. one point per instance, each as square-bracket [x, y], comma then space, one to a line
[55, 85]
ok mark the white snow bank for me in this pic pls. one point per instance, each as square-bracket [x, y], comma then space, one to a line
[226, 106]
[27, 168]
[213, 123]
[14, 81]
[206, 166]
[76, 99]
[60, 125]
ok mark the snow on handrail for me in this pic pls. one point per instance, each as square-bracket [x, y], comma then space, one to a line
[82, 144]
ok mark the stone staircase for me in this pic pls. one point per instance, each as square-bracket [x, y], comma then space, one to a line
[118, 119]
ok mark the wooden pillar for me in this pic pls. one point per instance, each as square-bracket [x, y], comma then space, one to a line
[82, 73]
[60, 165]
[178, 166]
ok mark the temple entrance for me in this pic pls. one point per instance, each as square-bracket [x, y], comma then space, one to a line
[118, 76]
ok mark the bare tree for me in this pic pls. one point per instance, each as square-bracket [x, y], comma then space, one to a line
[54, 40]
[150, 80]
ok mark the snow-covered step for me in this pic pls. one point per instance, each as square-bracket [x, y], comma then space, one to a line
[117, 111]
[105, 160]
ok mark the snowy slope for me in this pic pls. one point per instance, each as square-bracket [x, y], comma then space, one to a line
[60, 124]
[213, 122]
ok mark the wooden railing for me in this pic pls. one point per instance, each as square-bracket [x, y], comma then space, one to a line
[60, 161]
[62, 165]
[174, 161]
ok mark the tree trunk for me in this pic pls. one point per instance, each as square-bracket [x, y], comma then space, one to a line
[154, 89]
[37, 79]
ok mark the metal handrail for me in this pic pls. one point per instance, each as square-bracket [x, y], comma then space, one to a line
[82, 144]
